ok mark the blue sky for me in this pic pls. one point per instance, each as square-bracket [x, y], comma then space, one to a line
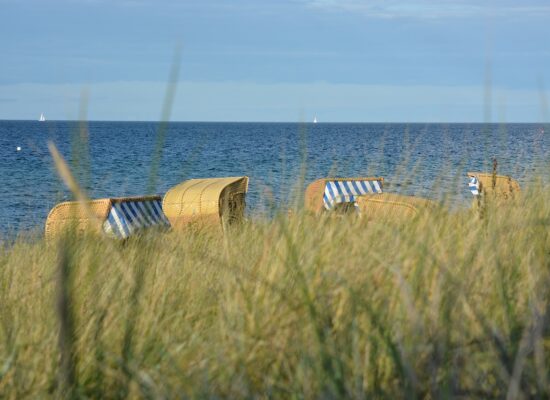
[286, 60]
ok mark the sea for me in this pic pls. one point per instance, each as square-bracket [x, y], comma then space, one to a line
[115, 159]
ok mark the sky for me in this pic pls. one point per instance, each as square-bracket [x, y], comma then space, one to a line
[276, 60]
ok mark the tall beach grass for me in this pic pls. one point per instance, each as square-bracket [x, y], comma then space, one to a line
[446, 305]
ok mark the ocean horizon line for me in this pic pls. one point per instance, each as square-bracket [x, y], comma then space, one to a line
[285, 122]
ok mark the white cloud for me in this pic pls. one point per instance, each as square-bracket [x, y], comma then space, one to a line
[248, 101]
[434, 9]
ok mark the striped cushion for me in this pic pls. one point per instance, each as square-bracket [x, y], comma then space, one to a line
[128, 217]
[344, 191]
[473, 185]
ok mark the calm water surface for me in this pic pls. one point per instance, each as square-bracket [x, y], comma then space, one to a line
[424, 159]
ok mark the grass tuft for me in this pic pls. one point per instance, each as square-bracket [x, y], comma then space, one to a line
[446, 305]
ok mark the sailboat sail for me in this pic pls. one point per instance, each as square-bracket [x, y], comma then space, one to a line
[42, 118]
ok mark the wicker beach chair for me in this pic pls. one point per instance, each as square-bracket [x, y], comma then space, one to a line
[116, 217]
[392, 207]
[339, 193]
[211, 201]
[498, 187]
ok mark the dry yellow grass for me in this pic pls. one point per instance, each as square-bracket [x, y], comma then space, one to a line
[448, 305]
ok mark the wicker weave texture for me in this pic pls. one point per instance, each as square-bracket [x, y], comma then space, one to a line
[205, 201]
[73, 215]
[498, 186]
[313, 198]
[388, 206]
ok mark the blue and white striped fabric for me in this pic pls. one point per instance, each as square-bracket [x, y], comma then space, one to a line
[473, 185]
[127, 217]
[344, 191]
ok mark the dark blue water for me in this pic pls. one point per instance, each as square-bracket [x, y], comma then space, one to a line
[423, 159]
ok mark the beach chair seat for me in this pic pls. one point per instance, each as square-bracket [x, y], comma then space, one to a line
[392, 207]
[210, 201]
[500, 187]
[119, 217]
[327, 194]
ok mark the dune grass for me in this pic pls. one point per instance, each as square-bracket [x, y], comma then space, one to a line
[447, 305]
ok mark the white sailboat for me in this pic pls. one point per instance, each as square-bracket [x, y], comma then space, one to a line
[315, 120]
[42, 118]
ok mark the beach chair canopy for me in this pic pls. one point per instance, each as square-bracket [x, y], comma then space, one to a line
[117, 217]
[328, 193]
[212, 200]
[497, 186]
[393, 207]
